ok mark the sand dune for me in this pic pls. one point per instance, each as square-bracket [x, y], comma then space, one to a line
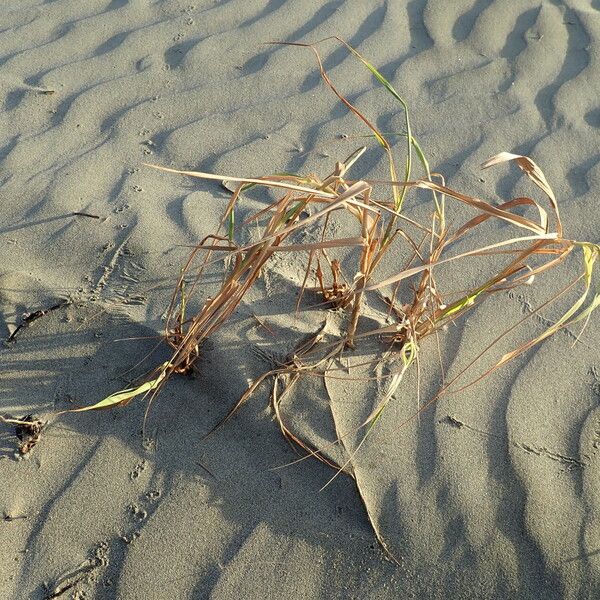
[492, 493]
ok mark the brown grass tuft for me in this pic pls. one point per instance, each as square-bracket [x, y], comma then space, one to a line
[535, 243]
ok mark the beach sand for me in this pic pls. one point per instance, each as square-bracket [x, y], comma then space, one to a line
[492, 493]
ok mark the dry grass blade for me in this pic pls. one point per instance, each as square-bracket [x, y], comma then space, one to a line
[534, 173]
[476, 252]
[482, 206]
[267, 181]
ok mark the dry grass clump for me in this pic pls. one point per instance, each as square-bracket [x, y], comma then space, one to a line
[535, 244]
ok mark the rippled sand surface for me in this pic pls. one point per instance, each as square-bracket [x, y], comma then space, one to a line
[492, 493]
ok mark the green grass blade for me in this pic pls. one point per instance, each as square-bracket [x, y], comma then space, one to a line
[125, 396]
[390, 88]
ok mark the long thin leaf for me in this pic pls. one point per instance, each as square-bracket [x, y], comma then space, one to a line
[124, 397]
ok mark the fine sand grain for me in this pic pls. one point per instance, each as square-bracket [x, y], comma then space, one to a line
[492, 493]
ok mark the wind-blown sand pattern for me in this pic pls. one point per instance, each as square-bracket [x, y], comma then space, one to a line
[492, 493]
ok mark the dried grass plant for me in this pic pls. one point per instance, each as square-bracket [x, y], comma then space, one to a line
[535, 244]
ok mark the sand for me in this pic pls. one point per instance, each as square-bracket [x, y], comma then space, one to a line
[492, 493]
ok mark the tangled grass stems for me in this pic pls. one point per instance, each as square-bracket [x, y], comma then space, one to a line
[381, 224]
